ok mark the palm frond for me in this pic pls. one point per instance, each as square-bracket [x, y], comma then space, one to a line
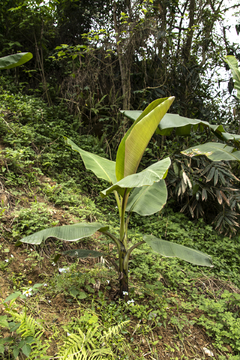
[206, 189]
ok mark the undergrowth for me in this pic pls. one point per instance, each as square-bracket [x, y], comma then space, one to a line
[42, 184]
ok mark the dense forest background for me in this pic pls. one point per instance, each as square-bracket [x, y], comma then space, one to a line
[122, 54]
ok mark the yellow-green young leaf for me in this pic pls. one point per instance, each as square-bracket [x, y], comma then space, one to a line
[147, 177]
[134, 143]
[140, 136]
[121, 149]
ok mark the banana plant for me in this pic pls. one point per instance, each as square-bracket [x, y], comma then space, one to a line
[142, 192]
[14, 60]
[233, 64]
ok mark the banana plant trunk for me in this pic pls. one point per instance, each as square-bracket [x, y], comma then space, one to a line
[123, 274]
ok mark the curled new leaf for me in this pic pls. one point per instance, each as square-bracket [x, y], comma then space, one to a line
[135, 141]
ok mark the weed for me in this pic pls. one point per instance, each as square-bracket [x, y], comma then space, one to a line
[26, 335]
[36, 217]
[222, 320]
[88, 339]
[79, 284]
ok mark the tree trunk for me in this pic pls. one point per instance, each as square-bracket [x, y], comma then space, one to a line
[188, 45]
[125, 62]
[126, 84]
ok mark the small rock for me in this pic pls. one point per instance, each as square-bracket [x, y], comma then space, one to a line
[208, 352]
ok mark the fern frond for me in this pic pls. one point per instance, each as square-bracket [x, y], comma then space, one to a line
[82, 347]
[73, 347]
[89, 340]
[18, 317]
[28, 325]
[90, 346]
[100, 354]
[114, 330]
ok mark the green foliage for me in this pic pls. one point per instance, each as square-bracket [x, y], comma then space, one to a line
[80, 284]
[95, 342]
[206, 189]
[33, 132]
[173, 226]
[34, 218]
[26, 334]
[69, 196]
[222, 320]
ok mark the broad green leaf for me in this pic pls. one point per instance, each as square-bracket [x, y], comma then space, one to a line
[148, 176]
[184, 125]
[80, 253]
[74, 292]
[6, 340]
[82, 295]
[11, 61]
[67, 233]
[230, 137]
[233, 64]
[149, 199]
[13, 296]
[135, 141]
[214, 151]
[16, 351]
[132, 114]
[101, 167]
[26, 349]
[169, 249]
[29, 339]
